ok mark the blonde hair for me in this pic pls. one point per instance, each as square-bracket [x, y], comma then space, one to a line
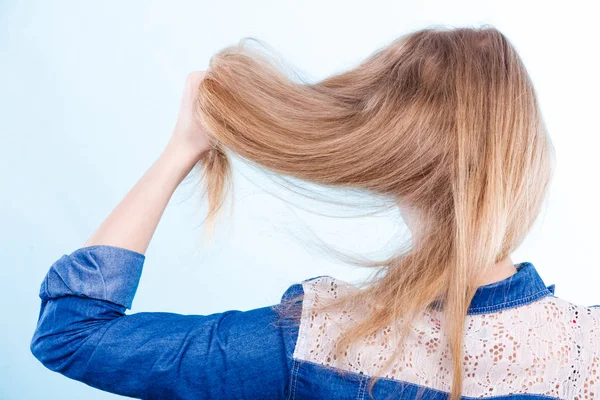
[445, 120]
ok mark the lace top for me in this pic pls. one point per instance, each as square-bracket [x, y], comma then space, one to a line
[545, 346]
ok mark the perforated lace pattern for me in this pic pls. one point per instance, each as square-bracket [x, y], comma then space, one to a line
[548, 347]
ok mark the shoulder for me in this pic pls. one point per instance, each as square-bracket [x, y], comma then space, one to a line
[317, 330]
[577, 317]
[577, 331]
[295, 316]
[572, 323]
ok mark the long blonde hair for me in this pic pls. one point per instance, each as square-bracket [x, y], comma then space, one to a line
[445, 120]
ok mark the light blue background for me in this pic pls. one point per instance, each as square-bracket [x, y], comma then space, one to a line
[88, 97]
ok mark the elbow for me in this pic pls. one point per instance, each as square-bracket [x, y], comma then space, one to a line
[51, 349]
[40, 345]
[62, 334]
[39, 348]
[62, 351]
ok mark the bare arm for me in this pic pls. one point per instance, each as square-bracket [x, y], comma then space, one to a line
[133, 222]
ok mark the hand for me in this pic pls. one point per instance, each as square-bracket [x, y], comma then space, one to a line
[133, 222]
[189, 137]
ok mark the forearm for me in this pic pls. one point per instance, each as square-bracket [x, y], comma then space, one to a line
[133, 221]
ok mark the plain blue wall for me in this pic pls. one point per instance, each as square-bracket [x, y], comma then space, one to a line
[89, 93]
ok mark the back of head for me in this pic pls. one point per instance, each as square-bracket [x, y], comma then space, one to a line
[445, 121]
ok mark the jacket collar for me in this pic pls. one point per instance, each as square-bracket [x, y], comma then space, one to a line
[523, 287]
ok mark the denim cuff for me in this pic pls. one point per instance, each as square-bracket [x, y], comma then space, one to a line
[100, 272]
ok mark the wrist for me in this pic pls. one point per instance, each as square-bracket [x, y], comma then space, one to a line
[182, 153]
[178, 160]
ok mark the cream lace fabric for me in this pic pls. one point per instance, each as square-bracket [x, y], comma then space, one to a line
[549, 347]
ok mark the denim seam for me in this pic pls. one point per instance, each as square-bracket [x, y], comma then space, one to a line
[511, 304]
[362, 388]
[295, 368]
[300, 345]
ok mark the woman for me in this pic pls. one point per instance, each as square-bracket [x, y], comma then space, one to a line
[446, 123]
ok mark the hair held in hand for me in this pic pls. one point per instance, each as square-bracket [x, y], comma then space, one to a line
[445, 120]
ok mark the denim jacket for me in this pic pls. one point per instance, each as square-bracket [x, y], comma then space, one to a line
[521, 342]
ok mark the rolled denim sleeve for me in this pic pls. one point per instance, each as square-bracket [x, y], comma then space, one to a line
[99, 272]
[84, 334]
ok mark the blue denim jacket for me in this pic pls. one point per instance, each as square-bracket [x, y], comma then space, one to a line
[84, 334]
